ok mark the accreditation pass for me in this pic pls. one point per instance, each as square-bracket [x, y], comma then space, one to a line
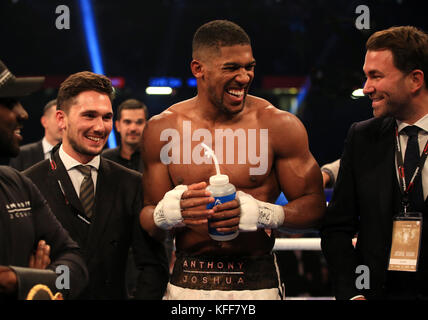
[406, 240]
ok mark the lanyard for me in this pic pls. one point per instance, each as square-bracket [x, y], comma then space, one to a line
[402, 178]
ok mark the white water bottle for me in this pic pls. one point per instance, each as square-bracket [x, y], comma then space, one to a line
[222, 191]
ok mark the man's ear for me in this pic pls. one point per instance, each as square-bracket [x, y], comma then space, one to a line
[417, 80]
[117, 125]
[61, 119]
[43, 121]
[197, 68]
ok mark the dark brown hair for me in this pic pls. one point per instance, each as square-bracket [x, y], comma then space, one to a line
[409, 47]
[80, 82]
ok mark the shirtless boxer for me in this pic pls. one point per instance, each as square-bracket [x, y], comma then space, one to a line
[242, 268]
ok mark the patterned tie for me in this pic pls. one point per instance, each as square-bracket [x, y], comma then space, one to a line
[86, 194]
[411, 161]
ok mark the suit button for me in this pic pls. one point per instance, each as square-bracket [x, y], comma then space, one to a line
[114, 243]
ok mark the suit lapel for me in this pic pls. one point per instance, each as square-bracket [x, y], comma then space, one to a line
[104, 193]
[61, 175]
[40, 155]
[386, 178]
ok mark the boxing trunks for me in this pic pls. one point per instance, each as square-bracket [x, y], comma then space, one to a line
[221, 278]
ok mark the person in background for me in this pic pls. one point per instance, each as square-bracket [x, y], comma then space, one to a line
[131, 120]
[32, 153]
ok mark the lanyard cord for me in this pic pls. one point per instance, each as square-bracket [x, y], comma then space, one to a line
[399, 157]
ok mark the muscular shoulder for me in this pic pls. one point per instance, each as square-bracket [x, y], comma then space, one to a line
[285, 130]
[171, 116]
[170, 119]
[269, 115]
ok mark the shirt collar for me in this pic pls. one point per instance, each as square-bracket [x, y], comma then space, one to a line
[70, 163]
[421, 123]
[47, 147]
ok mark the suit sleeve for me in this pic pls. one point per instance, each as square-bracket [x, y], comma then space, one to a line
[340, 226]
[150, 259]
[64, 251]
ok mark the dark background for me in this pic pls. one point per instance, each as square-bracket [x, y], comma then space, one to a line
[142, 39]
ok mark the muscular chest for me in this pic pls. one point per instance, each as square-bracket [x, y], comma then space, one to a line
[244, 154]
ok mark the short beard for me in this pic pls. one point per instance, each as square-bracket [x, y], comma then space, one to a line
[82, 150]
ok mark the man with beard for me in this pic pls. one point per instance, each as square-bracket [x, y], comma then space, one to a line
[97, 200]
[31, 238]
[131, 119]
[382, 183]
[175, 175]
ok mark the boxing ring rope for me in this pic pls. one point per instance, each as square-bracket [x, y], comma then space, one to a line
[306, 244]
[313, 244]
[297, 244]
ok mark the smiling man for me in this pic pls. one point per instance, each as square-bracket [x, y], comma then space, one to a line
[377, 186]
[175, 197]
[97, 200]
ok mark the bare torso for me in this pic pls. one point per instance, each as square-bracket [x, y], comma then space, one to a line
[195, 239]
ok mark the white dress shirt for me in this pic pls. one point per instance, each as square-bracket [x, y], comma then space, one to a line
[47, 148]
[422, 139]
[76, 176]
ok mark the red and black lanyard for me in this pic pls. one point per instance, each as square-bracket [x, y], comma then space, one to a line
[405, 189]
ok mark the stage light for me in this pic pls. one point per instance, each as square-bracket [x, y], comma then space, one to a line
[158, 90]
[93, 49]
[358, 93]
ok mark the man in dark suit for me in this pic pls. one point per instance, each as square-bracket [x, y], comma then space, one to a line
[97, 200]
[32, 153]
[368, 192]
[31, 238]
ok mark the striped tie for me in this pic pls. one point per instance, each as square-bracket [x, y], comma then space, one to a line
[86, 190]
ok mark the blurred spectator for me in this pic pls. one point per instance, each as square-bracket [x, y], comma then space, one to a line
[37, 151]
[131, 120]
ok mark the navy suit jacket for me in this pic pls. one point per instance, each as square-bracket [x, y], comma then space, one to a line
[113, 230]
[365, 199]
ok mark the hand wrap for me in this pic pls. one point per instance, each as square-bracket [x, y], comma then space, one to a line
[258, 214]
[167, 213]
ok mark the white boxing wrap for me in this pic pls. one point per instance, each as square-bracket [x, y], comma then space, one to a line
[258, 214]
[167, 213]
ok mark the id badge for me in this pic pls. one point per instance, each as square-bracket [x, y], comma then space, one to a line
[406, 241]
